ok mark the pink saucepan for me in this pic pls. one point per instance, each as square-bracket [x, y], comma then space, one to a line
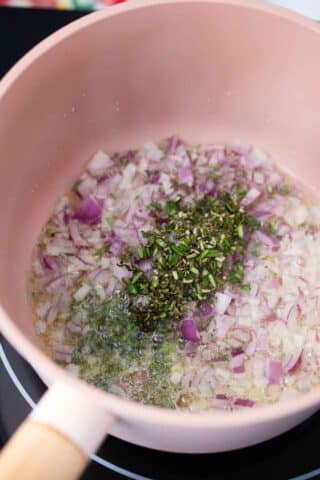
[202, 69]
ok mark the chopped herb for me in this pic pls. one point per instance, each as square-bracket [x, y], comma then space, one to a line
[240, 231]
[142, 252]
[42, 246]
[124, 160]
[136, 277]
[253, 223]
[170, 207]
[241, 192]
[246, 287]
[237, 274]
[36, 295]
[271, 229]
[198, 249]
[175, 275]
[101, 251]
[284, 190]
[51, 231]
[116, 342]
[110, 221]
[75, 186]
[172, 260]
[154, 206]
[132, 289]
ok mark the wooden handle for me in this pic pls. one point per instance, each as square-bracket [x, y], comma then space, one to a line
[38, 452]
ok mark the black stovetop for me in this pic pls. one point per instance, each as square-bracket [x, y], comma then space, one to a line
[291, 456]
[294, 455]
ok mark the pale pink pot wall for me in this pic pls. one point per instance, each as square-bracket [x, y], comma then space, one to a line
[205, 439]
[204, 70]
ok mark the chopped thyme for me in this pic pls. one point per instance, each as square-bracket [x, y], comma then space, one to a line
[51, 231]
[110, 221]
[195, 249]
[255, 252]
[114, 341]
[271, 229]
[284, 190]
[101, 251]
[36, 295]
[154, 206]
[75, 186]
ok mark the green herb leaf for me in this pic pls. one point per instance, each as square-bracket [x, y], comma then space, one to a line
[154, 206]
[284, 190]
[142, 252]
[271, 229]
[75, 185]
[110, 221]
[101, 251]
[193, 253]
[170, 207]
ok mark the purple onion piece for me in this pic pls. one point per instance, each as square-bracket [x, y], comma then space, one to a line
[273, 371]
[89, 211]
[236, 351]
[145, 265]
[221, 396]
[190, 348]
[131, 155]
[185, 175]
[66, 218]
[213, 191]
[219, 359]
[162, 221]
[206, 309]
[189, 330]
[250, 197]
[244, 402]
[154, 177]
[52, 262]
[262, 214]
[173, 143]
[46, 263]
[115, 244]
[200, 187]
[240, 369]
[271, 317]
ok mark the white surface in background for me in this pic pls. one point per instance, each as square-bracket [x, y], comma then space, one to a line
[310, 8]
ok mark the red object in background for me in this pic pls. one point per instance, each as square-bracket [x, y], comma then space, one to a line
[42, 3]
[109, 2]
[52, 3]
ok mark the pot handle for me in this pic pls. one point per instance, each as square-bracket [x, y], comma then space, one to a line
[39, 452]
[56, 440]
